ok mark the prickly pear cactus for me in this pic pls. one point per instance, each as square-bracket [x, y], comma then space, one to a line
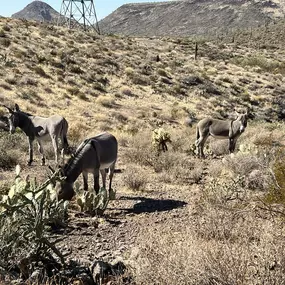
[95, 204]
[26, 214]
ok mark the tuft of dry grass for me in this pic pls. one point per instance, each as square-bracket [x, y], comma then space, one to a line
[135, 178]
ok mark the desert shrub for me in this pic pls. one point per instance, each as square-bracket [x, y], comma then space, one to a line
[5, 42]
[162, 72]
[5, 86]
[276, 191]
[259, 179]
[129, 71]
[74, 90]
[76, 69]
[265, 65]
[139, 79]
[222, 190]
[6, 28]
[11, 80]
[126, 91]
[2, 33]
[243, 164]
[140, 151]
[8, 159]
[165, 161]
[105, 100]
[134, 178]
[219, 147]
[119, 117]
[215, 168]
[12, 147]
[38, 70]
[99, 86]
[25, 80]
[77, 131]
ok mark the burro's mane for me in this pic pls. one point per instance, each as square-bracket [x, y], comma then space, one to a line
[75, 157]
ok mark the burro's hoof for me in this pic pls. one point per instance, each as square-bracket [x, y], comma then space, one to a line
[43, 162]
[29, 163]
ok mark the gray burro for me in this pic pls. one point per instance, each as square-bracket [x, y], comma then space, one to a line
[39, 128]
[220, 129]
[93, 155]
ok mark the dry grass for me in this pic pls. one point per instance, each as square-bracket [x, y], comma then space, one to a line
[116, 84]
[135, 178]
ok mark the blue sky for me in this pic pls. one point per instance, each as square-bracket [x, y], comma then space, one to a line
[103, 7]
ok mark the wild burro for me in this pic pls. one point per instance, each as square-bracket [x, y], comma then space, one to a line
[38, 128]
[220, 129]
[93, 155]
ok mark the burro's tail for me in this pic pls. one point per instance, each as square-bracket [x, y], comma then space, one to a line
[64, 136]
[197, 133]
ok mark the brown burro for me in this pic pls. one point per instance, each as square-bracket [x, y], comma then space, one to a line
[40, 129]
[220, 129]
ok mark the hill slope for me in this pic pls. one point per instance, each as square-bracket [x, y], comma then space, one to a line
[184, 18]
[174, 213]
[38, 11]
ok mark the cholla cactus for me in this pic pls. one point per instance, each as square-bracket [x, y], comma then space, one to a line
[159, 139]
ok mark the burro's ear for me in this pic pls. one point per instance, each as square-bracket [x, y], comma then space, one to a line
[8, 109]
[17, 108]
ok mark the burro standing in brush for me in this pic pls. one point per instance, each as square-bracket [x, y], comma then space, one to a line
[220, 129]
[94, 155]
[39, 129]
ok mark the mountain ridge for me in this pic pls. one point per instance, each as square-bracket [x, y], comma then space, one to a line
[188, 18]
[38, 11]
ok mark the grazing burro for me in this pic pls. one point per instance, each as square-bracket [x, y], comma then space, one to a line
[93, 155]
[220, 129]
[39, 128]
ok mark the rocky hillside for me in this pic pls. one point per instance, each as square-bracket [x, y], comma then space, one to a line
[176, 219]
[38, 11]
[190, 17]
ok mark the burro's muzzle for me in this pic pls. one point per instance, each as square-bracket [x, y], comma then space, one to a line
[12, 130]
[242, 128]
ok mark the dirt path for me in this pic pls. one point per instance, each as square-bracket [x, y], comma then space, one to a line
[115, 235]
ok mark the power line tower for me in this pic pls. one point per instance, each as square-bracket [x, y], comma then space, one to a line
[78, 14]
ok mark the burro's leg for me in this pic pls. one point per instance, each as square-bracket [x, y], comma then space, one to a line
[96, 181]
[41, 151]
[232, 144]
[111, 174]
[103, 175]
[30, 141]
[85, 180]
[54, 140]
[200, 142]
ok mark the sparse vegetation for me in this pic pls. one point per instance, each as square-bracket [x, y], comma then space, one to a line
[178, 219]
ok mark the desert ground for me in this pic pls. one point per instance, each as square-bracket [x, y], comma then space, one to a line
[176, 219]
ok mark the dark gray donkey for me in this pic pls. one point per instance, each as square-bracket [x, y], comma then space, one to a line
[39, 128]
[93, 155]
[220, 129]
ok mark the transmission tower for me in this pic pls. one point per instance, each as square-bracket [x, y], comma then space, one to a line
[78, 14]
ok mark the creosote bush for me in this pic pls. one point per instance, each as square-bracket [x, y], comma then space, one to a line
[135, 178]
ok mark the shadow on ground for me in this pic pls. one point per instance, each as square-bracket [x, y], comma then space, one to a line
[149, 205]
